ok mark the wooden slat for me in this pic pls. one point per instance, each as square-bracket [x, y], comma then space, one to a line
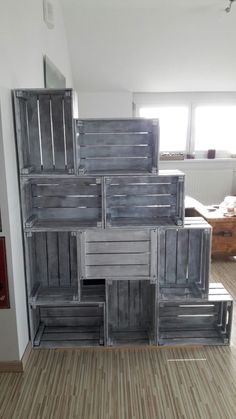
[117, 163]
[116, 236]
[115, 247]
[140, 200]
[67, 202]
[117, 259]
[117, 271]
[114, 126]
[141, 189]
[100, 140]
[115, 151]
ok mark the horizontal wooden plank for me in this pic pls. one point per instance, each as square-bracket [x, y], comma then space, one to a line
[139, 212]
[66, 189]
[115, 151]
[188, 310]
[117, 259]
[117, 163]
[205, 333]
[72, 321]
[66, 336]
[140, 200]
[117, 271]
[191, 322]
[114, 247]
[67, 202]
[82, 311]
[114, 125]
[69, 213]
[117, 236]
[118, 139]
[145, 180]
[142, 189]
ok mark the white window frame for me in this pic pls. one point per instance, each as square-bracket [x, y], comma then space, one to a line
[191, 100]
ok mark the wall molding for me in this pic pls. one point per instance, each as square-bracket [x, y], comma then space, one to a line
[16, 366]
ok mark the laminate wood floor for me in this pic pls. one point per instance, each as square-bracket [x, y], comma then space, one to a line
[127, 383]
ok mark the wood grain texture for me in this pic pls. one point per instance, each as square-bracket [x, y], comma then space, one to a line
[127, 383]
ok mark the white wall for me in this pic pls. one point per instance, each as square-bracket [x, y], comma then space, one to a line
[105, 104]
[24, 39]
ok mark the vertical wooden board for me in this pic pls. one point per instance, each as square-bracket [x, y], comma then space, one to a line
[113, 309]
[53, 261]
[171, 255]
[194, 265]
[46, 133]
[73, 260]
[162, 256]
[64, 259]
[69, 131]
[34, 133]
[144, 304]
[24, 145]
[182, 255]
[134, 304]
[57, 118]
[123, 304]
[41, 258]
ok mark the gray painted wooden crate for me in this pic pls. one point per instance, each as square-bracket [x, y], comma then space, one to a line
[144, 200]
[44, 130]
[65, 202]
[52, 273]
[131, 312]
[184, 258]
[113, 254]
[117, 145]
[60, 326]
[196, 321]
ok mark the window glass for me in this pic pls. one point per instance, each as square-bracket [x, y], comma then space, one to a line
[215, 128]
[173, 125]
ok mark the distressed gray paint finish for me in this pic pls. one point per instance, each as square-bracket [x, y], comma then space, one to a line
[184, 257]
[108, 146]
[197, 321]
[53, 275]
[81, 325]
[144, 199]
[131, 254]
[54, 199]
[129, 319]
[44, 130]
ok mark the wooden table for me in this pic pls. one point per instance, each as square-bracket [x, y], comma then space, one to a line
[224, 228]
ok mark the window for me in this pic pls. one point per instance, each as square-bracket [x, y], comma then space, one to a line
[173, 125]
[215, 128]
[192, 122]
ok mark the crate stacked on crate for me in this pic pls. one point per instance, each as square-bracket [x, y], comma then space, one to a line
[109, 257]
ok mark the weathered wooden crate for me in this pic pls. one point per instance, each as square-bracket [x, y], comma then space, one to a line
[126, 254]
[117, 145]
[44, 130]
[196, 321]
[62, 203]
[60, 326]
[144, 200]
[51, 266]
[184, 258]
[131, 312]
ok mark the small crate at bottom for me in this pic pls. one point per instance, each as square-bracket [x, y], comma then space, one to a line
[196, 321]
[131, 307]
[80, 325]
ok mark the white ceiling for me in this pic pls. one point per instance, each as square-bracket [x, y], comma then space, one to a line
[151, 45]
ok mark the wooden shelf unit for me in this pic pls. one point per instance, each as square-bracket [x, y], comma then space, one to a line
[109, 255]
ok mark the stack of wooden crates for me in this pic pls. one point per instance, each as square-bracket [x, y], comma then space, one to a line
[110, 258]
